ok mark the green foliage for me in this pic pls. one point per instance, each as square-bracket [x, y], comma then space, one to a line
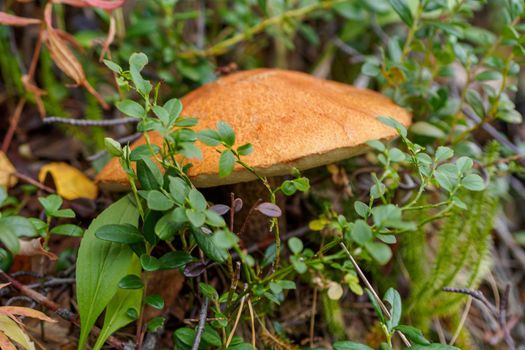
[100, 266]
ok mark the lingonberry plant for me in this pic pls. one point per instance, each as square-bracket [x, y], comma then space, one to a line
[165, 210]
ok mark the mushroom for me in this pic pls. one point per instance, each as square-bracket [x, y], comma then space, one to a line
[292, 119]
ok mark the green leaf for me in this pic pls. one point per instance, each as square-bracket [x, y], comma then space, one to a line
[149, 174]
[143, 151]
[403, 11]
[379, 251]
[117, 315]
[206, 243]
[295, 245]
[197, 218]
[208, 291]
[131, 281]
[149, 263]
[101, 264]
[473, 182]
[209, 137]
[214, 219]
[226, 163]
[413, 334]
[394, 299]
[464, 164]
[184, 338]
[174, 107]
[476, 102]
[9, 238]
[211, 337]
[155, 323]
[137, 61]
[393, 124]
[434, 346]
[226, 133]
[64, 213]
[443, 153]
[427, 129]
[20, 226]
[170, 224]
[174, 260]
[67, 230]
[178, 189]
[225, 239]
[159, 201]
[375, 305]
[113, 147]
[197, 200]
[131, 108]
[50, 203]
[361, 209]
[119, 233]
[155, 301]
[113, 66]
[488, 75]
[350, 345]
[162, 114]
[361, 232]
[245, 149]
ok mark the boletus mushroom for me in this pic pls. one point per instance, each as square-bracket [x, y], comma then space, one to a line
[292, 119]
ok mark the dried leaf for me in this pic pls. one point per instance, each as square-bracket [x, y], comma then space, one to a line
[70, 182]
[14, 332]
[64, 58]
[12, 311]
[269, 209]
[34, 247]
[11, 20]
[7, 179]
[5, 343]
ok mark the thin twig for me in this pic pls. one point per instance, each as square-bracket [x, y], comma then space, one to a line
[202, 322]
[369, 286]
[32, 181]
[236, 323]
[89, 122]
[252, 318]
[461, 322]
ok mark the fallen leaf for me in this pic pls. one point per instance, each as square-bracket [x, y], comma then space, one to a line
[109, 38]
[7, 179]
[70, 182]
[34, 247]
[14, 332]
[12, 311]
[12, 20]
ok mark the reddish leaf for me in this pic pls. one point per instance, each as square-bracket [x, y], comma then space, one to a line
[237, 205]
[64, 58]
[12, 20]
[269, 209]
[107, 5]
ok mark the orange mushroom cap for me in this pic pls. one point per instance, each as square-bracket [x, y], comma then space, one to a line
[292, 119]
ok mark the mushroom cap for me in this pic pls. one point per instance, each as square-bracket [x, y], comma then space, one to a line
[292, 119]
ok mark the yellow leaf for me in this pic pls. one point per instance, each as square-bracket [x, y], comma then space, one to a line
[70, 182]
[15, 333]
[6, 171]
[317, 225]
